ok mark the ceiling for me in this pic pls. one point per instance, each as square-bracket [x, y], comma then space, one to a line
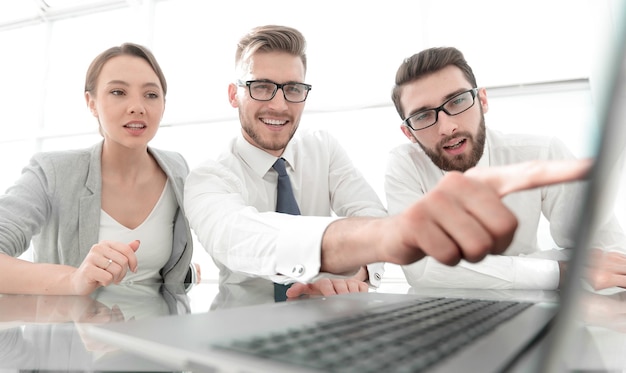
[14, 14]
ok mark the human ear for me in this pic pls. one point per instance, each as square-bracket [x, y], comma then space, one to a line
[407, 132]
[482, 99]
[91, 104]
[232, 95]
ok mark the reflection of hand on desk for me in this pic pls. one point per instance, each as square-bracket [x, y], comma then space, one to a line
[36, 331]
[110, 304]
[605, 310]
[40, 332]
[39, 309]
[17, 310]
[134, 301]
[598, 334]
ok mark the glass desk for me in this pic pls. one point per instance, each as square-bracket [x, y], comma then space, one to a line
[47, 333]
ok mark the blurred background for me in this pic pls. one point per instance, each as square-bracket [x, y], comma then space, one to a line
[541, 62]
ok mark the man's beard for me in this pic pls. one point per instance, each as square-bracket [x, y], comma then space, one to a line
[461, 162]
[260, 142]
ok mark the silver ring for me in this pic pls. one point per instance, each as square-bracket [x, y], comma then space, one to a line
[108, 263]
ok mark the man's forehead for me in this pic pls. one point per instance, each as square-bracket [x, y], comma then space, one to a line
[432, 89]
[279, 66]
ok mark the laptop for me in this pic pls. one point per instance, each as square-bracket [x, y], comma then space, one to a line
[566, 338]
[307, 335]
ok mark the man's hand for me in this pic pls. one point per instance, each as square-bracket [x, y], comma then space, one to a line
[328, 286]
[463, 217]
[528, 175]
[606, 269]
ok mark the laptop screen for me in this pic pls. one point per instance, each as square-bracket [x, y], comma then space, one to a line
[610, 139]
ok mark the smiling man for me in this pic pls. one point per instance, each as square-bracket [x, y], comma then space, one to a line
[234, 200]
[442, 111]
[333, 233]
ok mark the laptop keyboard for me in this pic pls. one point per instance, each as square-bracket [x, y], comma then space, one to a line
[403, 337]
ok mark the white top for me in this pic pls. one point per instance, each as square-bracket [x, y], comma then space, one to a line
[524, 265]
[230, 205]
[155, 234]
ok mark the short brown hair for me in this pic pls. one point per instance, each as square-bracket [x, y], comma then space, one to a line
[427, 62]
[271, 38]
[128, 49]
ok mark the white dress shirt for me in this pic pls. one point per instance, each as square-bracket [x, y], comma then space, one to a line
[231, 204]
[524, 265]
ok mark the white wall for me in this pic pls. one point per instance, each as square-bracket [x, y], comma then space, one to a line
[354, 48]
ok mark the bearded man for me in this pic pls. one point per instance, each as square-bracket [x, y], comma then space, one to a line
[442, 111]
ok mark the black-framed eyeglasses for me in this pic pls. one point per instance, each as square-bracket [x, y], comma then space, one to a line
[453, 106]
[265, 90]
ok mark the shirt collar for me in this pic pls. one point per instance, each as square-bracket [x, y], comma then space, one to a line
[259, 160]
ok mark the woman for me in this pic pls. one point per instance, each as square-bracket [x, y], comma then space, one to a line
[109, 213]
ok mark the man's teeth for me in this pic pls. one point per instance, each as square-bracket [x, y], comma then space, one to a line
[274, 122]
[453, 146]
[135, 125]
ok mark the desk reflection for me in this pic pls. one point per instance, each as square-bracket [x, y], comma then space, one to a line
[244, 294]
[607, 311]
[253, 293]
[48, 332]
[602, 333]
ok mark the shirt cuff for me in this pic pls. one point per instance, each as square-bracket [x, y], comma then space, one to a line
[375, 273]
[532, 273]
[493, 272]
[299, 247]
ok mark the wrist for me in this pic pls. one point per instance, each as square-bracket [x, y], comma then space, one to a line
[347, 245]
[363, 274]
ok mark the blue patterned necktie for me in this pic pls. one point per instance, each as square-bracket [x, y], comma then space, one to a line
[285, 203]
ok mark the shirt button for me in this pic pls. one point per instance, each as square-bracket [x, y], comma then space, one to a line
[297, 270]
[377, 276]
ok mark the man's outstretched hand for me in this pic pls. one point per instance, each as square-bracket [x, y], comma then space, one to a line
[463, 217]
[528, 175]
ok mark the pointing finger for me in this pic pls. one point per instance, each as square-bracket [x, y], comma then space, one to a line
[528, 175]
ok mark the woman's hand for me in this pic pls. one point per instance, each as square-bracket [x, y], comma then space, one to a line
[107, 262]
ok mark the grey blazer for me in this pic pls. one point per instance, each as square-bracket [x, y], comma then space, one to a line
[56, 204]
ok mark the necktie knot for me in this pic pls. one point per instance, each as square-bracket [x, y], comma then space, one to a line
[279, 166]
